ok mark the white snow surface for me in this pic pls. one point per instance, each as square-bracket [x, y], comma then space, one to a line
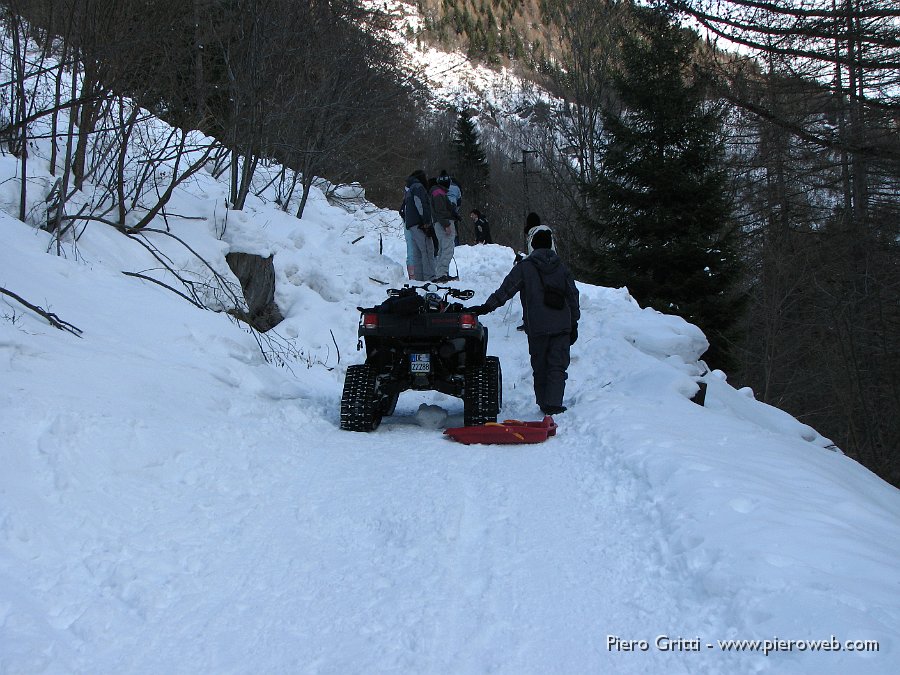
[172, 502]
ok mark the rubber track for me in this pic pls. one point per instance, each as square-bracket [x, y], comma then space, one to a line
[359, 402]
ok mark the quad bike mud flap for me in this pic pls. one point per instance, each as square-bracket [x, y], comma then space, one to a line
[506, 432]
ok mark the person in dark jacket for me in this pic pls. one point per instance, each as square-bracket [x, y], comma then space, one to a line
[532, 220]
[416, 212]
[482, 229]
[551, 330]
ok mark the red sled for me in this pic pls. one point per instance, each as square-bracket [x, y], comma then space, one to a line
[509, 431]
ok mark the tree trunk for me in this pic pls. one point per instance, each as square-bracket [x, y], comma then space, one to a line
[127, 128]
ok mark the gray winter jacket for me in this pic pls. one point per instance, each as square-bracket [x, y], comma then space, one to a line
[416, 208]
[526, 278]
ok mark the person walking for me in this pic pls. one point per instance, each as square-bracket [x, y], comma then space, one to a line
[416, 212]
[548, 290]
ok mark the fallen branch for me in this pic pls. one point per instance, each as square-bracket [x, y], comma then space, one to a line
[159, 257]
[223, 283]
[336, 346]
[164, 285]
[54, 320]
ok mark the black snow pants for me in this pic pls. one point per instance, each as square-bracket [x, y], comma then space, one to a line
[549, 362]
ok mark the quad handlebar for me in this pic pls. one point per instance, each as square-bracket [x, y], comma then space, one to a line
[430, 287]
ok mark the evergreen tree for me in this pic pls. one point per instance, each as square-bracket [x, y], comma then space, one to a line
[472, 170]
[660, 211]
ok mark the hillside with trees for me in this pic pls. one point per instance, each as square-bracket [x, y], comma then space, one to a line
[494, 31]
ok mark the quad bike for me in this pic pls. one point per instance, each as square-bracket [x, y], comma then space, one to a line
[419, 340]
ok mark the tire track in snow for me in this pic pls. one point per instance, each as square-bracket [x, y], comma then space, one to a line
[522, 548]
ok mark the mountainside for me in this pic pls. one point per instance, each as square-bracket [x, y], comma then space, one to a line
[495, 31]
[177, 496]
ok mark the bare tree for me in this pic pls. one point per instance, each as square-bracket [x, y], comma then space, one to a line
[348, 99]
[567, 142]
[819, 177]
[17, 140]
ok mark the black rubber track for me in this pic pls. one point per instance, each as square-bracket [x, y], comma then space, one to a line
[483, 394]
[359, 402]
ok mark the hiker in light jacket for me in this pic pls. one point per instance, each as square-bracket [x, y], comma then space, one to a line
[551, 330]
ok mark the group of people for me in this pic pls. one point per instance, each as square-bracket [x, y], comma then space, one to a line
[431, 215]
[546, 287]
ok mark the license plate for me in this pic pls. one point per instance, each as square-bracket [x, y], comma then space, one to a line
[420, 363]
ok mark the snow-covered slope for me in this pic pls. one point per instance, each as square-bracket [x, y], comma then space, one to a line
[172, 502]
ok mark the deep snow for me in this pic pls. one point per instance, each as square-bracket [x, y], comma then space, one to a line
[171, 502]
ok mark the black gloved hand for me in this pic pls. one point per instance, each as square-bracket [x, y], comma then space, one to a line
[573, 335]
[479, 310]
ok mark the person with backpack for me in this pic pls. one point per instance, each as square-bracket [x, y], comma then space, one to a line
[548, 291]
[482, 228]
[416, 213]
[444, 227]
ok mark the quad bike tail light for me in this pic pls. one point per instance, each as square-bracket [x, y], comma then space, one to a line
[468, 321]
[370, 320]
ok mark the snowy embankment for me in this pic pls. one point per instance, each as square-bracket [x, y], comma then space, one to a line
[172, 502]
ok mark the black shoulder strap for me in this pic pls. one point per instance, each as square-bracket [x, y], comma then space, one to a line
[538, 270]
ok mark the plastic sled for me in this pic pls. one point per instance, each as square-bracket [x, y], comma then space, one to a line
[508, 431]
